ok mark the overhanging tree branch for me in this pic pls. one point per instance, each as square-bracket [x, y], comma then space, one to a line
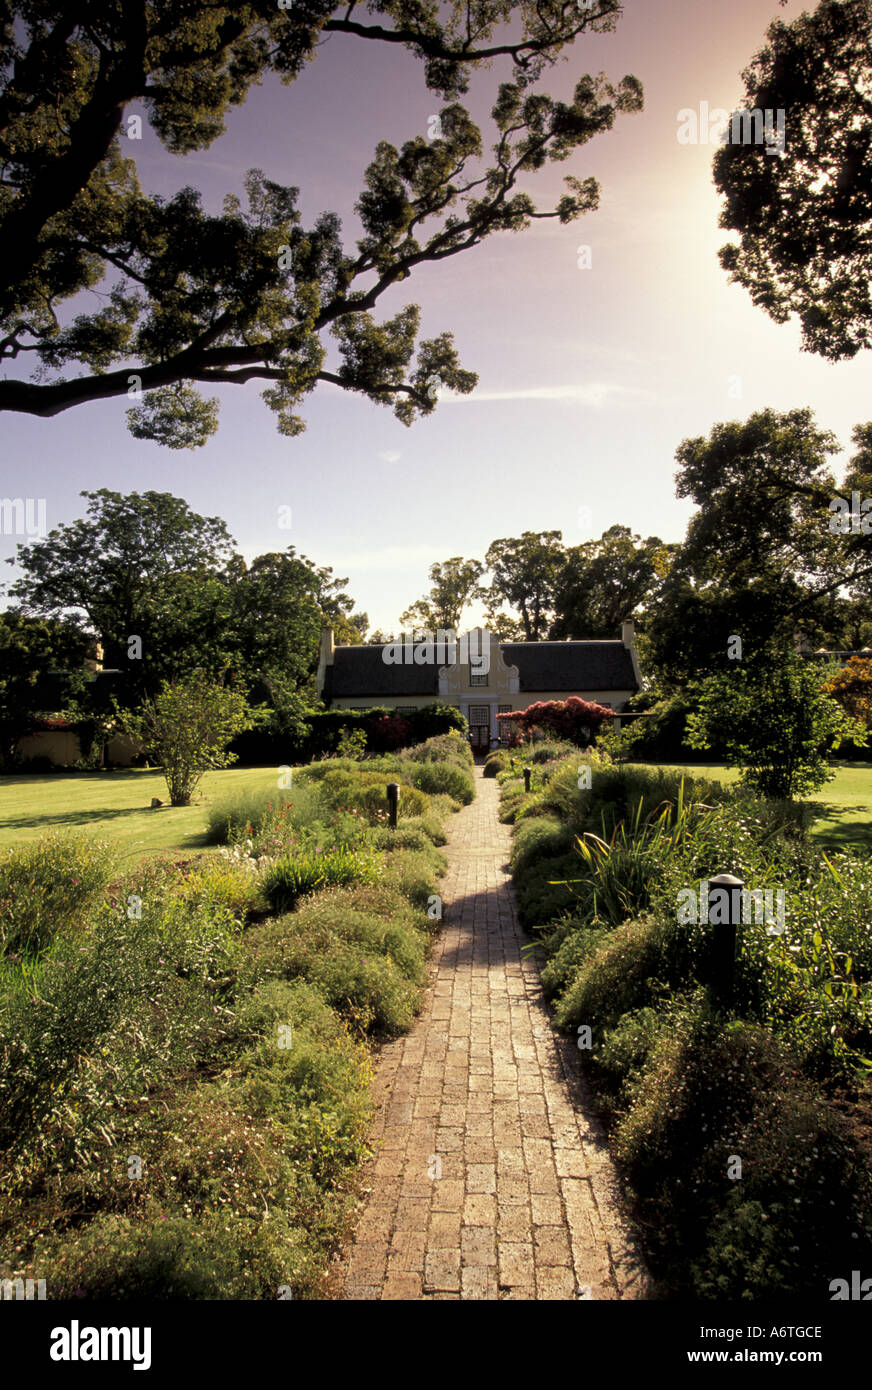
[248, 295]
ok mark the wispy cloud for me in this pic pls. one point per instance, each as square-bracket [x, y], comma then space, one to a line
[591, 393]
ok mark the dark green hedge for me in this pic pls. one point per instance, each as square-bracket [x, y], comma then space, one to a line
[386, 729]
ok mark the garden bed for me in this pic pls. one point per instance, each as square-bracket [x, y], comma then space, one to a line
[186, 1051]
[741, 1130]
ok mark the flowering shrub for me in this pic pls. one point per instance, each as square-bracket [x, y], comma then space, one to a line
[451, 747]
[230, 878]
[352, 743]
[573, 719]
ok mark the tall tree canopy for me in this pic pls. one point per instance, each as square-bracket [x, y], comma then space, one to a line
[524, 572]
[454, 584]
[602, 582]
[761, 559]
[130, 567]
[804, 216]
[191, 300]
[280, 603]
[146, 566]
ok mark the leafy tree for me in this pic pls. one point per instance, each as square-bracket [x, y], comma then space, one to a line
[41, 672]
[337, 607]
[760, 560]
[803, 215]
[147, 566]
[525, 571]
[503, 627]
[660, 736]
[775, 722]
[852, 687]
[603, 582]
[132, 566]
[277, 616]
[186, 729]
[280, 604]
[454, 585]
[849, 623]
[287, 709]
[856, 538]
[191, 300]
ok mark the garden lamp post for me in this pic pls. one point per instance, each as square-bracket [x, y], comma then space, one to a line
[724, 913]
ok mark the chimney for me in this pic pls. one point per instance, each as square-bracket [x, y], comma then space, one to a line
[628, 637]
[94, 657]
[325, 658]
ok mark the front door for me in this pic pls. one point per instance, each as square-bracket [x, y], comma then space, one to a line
[479, 728]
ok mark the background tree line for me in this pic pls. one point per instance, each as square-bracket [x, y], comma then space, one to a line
[166, 593]
[776, 554]
[767, 559]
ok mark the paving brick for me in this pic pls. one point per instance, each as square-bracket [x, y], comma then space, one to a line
[552, 1246]
[442, 1272]
[547, 1210]
[478, 1246]
[479, 1284]
[556, 1283]
[479, 1210]
[402, 1286]
[527, 1206]
[571, 1163]
[444, 1231]
[515, 1264]
[481, 1178]
[447, 1195]
[513, 1223]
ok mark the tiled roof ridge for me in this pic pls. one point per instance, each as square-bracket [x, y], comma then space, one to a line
[507, 642]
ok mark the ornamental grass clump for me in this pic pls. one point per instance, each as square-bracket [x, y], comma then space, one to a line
[267, 816]
[47, 888]
[292, 876]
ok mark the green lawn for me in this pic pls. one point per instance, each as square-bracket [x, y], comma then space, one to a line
[844, 805]
[116, 806]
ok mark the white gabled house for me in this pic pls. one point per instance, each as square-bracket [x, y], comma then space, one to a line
[478, 675]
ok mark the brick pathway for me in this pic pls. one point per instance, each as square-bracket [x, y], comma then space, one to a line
[490, 1177]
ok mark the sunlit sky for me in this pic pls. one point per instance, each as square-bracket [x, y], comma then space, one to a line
[588, 378]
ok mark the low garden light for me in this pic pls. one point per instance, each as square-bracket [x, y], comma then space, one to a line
[393, 792]
[724, 914]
